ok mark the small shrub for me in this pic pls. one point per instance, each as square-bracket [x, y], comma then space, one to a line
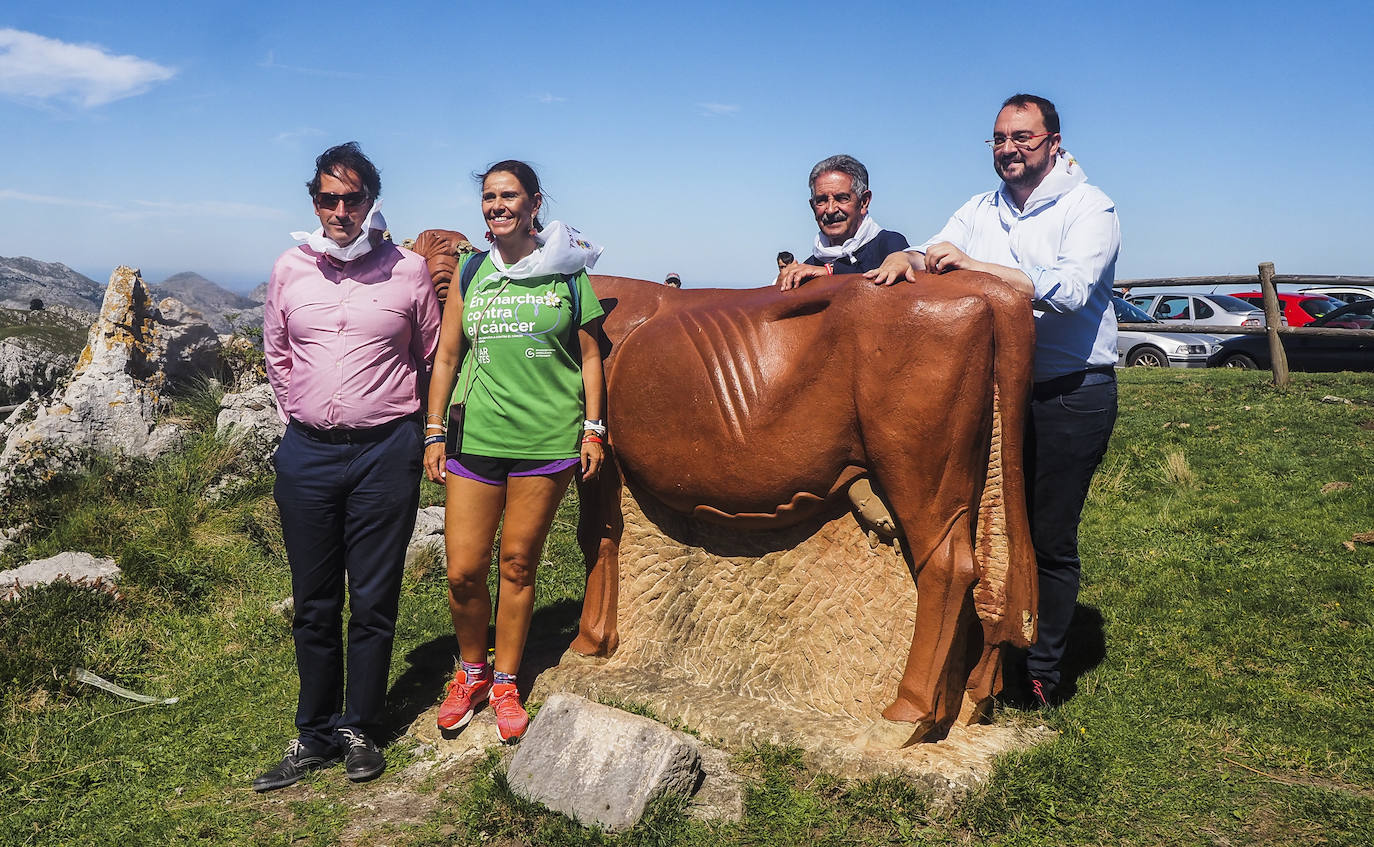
[1110, 484]
[1175, 470]
[44, 631]
[198, 398]
[184, 573]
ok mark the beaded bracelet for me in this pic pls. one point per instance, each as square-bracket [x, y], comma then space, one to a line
[435, 415]
[435, 439]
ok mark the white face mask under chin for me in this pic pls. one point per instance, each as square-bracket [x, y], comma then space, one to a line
[360, 246]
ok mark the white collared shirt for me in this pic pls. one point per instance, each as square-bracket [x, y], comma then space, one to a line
[1066, 240]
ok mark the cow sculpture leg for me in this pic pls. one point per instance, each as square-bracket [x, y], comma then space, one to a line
[931, 692]
[600, 526]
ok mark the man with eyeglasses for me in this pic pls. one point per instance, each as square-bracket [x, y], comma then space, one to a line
[1054, 238]
[350, 327]
[849, 241]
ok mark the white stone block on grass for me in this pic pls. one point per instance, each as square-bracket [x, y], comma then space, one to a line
[78, 568]
[601, 765]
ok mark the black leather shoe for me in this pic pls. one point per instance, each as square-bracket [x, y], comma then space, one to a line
[295, 764]
[362, 759]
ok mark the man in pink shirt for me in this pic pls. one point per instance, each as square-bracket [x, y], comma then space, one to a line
[349, 331]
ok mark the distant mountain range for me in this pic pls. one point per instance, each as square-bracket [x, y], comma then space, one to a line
[23, 280]
[213, 301]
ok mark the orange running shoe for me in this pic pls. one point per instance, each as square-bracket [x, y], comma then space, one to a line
[511, 719]
[463, 699]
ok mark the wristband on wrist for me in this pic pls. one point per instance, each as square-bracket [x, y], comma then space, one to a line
[435, 415]
[596, 426]
[435, 439]
[439, 427]
[593, 438]
[829, 268]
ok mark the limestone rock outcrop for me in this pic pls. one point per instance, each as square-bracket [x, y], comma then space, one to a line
[28, 367]
[134, 351]
[78, 568]
[38, 347]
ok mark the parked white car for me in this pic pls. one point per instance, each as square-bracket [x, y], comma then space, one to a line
[1159, 349]
[1190, 307]
[1344, 293]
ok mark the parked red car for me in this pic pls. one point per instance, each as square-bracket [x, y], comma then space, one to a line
[1300, 309]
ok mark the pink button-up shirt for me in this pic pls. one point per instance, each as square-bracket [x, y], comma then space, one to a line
[349, 345]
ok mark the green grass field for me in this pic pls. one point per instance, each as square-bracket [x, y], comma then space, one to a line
[1224, 631]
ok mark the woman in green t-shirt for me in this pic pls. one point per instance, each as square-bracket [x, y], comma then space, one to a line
[534, 392]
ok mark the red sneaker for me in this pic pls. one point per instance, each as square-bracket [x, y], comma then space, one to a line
[511, 719]
[463, 698]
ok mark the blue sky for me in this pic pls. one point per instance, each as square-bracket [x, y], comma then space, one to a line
[678, 135]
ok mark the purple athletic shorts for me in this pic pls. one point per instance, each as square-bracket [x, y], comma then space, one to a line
[493, 470]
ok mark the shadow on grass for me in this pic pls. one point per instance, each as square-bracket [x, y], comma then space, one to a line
[1085, 650]
[429, 666]
[1087, 647]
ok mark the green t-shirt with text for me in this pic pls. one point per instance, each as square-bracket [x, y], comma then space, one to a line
[524, 362]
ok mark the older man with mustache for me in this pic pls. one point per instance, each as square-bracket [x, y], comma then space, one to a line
[849, 241]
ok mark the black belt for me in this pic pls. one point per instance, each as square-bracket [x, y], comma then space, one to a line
[1067, 383]
[361, 435]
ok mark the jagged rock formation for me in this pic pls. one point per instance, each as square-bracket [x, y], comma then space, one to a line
[214, 302]
[23, 279]
[112, 405]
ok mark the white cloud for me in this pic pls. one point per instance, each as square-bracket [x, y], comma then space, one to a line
[34, 66]
[154, 208]
[716, 110]
[271, 63]
[293, 135]
[48, 200]
[546, 97]
[205, 209]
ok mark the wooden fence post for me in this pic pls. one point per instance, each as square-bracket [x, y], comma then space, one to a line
[1277, 357]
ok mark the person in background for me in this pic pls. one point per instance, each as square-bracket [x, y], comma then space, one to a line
[1055, 238]
[531, 382]
[349, 328]
[674, 280]
[785, 258]
[849, 240]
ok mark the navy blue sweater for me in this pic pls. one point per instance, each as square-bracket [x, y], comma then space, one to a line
[870, 255]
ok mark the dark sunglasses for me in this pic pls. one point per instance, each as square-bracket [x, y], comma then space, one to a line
[351, 200]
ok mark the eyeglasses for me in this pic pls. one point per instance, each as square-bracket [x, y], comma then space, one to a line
[351, 200]
[1021, 140]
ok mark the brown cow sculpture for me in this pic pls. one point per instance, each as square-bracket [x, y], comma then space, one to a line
[760, 408]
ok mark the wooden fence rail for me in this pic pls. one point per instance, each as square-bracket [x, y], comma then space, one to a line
[1268, 283]
[1242, 279]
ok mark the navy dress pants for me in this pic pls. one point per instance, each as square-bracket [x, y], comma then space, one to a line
[1071, 420]
[346, 509]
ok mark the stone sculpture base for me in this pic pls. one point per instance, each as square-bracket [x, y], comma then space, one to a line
[795, 637]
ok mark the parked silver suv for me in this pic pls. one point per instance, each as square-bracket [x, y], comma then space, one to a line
[1159, 349]
[1190, 307]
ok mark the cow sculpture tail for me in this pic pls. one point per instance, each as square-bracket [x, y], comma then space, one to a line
[1005, 595]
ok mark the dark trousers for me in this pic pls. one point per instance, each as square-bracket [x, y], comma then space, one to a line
[346, 509]
[1071, 421]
